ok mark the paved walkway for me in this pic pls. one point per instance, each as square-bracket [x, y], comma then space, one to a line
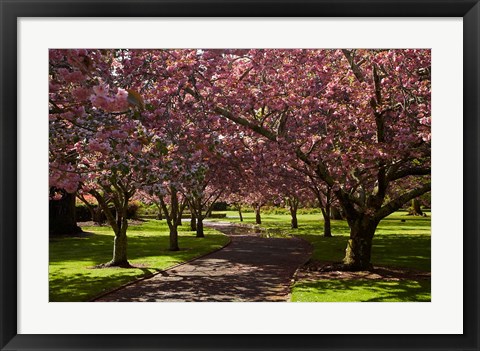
[251, 268]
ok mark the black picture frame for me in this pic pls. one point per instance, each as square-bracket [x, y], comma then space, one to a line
[12, 10]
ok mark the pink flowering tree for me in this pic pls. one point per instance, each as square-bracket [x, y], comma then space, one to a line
[357, 120]
[360, 119]
[97, 146]
[202, 188]
[294, 192]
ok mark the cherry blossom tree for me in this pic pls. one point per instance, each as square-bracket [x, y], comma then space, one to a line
[96, 142]
[357, 121]
[360, 119]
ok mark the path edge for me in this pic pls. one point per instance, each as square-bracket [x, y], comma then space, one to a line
[151, 275]
[294, 276]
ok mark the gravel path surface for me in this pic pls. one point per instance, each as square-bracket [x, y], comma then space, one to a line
[251, 268]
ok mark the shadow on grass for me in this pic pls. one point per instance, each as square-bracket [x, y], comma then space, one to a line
[408, 251]
[250, 269]
[84, 286]
[71, 259]
[97, 248]
[396, 243]
[362, 291]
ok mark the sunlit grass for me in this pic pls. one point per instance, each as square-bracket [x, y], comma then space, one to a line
[396, 243]
[362, 291]
[400, 241]
[73, 278]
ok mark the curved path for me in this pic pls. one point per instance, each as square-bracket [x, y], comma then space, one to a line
[251, 268]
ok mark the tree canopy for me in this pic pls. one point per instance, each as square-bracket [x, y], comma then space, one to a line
[193, 126]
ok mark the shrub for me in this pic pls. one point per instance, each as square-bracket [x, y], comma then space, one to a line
[132, 210]
[216, 215]
[82, 213]
[219, 206]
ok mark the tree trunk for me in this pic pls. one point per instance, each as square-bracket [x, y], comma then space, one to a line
[416, 210]
[359, 247]
[240, 213]
[174, 239]
[119, 249]
[173, 217]
[119, 224]
[327, 228]
[62, 217]
[258, 217]
[294, 222]
[200, 233]
[193, 222]
[160, 214]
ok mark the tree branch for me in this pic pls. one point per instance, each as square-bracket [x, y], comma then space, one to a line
[394, 205]
[244, 122]
[350, 55]
[412, 171]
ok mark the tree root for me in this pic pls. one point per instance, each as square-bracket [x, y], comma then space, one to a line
[345, 268]
[112, 264]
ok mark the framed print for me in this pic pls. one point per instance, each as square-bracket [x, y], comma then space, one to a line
[36, 34]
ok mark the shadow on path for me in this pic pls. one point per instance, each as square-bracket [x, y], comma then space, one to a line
[251, 268]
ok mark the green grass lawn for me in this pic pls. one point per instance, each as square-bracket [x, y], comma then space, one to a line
[361, 291]
[396, 244]
[72, 278]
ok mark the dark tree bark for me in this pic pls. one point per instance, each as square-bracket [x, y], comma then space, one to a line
[293, 207]
[173, 216]
[62, 217]
[240, 213]
[120, 197]
[159, 213]
[294, 221]
[193, 221]
[258, 217]
[198, 204]
[416, 210]
[120, 248]
[173, 240]
[325, 206]
[327, 228]
[119, 258]
[359, 248]
[200, 233]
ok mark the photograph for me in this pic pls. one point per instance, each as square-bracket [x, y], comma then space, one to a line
[239, 175]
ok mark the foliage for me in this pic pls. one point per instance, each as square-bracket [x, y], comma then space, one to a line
[83, 213]
[252, 126]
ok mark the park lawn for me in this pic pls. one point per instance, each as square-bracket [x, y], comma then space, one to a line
[362, 290]
[396, 244]
[71, 259]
